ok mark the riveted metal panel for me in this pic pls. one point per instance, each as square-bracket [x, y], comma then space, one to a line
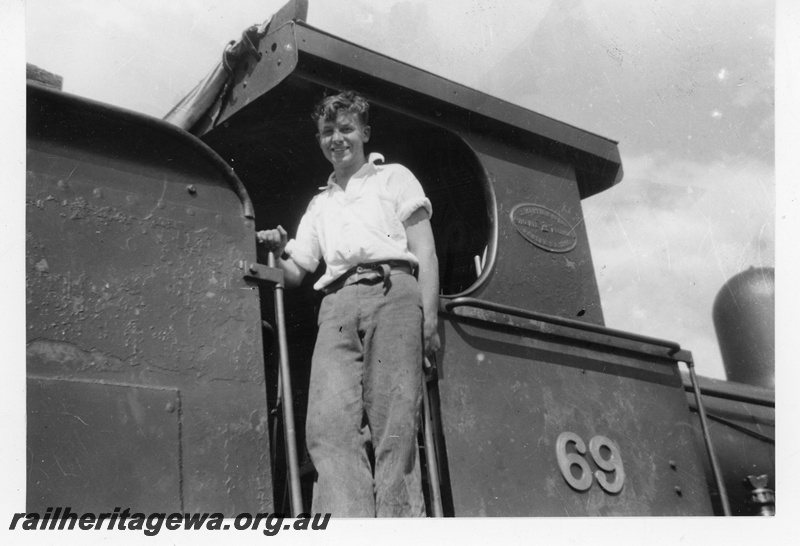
[274, 61]
[135, 230]
[530, 269]
[508, 395]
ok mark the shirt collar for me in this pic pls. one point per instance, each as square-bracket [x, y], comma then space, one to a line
[369, 166]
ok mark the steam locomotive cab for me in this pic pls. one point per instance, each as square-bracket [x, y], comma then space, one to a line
[540, 409]
[150, 318]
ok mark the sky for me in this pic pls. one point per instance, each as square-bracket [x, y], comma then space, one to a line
[687, 89]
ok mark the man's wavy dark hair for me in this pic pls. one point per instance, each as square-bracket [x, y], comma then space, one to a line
[350, 102]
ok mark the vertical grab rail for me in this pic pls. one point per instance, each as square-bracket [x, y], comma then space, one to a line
[285, 384]
[430, 450]
[686, 357]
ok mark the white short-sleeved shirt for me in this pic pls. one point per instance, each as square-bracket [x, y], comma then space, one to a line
[363, 223]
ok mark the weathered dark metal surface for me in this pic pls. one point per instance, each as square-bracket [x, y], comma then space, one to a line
[507, 396]
[97, 444]
[134, 233]
[516, 317]
[523, 274]
[742, 428]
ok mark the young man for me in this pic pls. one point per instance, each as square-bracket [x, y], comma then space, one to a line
[371, 225]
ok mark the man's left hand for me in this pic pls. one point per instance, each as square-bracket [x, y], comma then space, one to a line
[431, 338]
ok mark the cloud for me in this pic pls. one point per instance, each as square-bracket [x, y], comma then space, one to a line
[648, 74]
[671, 234]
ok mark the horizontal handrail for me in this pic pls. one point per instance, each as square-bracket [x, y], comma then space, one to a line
[449, 305]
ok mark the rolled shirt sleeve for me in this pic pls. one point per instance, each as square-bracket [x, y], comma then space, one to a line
[410, 196]
[409, 207]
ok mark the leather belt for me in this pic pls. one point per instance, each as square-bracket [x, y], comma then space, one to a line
[370, 271]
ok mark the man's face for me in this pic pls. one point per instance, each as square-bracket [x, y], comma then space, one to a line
[342, 141]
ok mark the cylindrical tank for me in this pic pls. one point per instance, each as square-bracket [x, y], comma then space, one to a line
[744, 318]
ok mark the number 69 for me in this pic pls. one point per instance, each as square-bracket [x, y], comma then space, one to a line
[596, 447]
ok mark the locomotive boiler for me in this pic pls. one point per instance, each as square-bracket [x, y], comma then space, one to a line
[153, 348]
